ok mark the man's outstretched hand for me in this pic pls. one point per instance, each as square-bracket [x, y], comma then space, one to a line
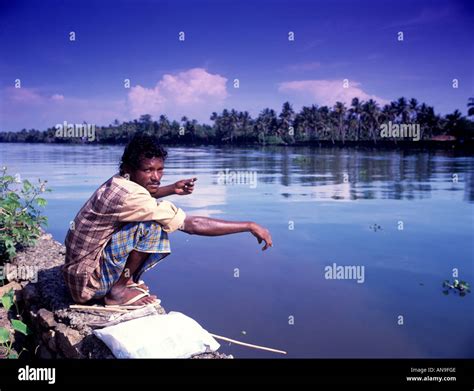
[184, 186]
[262, 234]
[206, 226]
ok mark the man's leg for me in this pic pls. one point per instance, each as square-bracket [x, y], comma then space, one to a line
[119, 293]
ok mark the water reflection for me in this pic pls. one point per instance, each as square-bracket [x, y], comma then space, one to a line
[315, 173]
[345, 206]
[349, 174]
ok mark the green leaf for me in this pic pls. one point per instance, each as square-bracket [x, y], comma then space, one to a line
[13, 356]
[4, 335]
[9, 243]
[26, 185]
[7, 300]
[12, 196]
[41, 202]
[18, 325]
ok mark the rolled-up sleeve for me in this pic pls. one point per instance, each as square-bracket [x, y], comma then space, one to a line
[143, 207]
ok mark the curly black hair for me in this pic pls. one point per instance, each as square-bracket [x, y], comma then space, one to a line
[141, 146]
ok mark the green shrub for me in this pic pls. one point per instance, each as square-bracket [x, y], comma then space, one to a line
[6, 337]
[20, 213]
[274, 140]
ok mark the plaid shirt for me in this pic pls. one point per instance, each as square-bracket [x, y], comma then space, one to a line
[115, 203]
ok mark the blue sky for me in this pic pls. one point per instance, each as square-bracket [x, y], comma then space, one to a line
[83, 80]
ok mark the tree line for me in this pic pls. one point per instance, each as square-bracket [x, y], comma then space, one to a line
[358, 123]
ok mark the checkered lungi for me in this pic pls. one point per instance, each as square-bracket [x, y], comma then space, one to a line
[146, 237]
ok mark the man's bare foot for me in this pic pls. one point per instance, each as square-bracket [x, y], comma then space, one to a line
[143, 286]
[119, 295]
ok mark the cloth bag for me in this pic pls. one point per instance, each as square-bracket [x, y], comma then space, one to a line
[173, 335]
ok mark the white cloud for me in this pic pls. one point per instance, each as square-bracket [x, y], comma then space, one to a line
[32, 108]
[194, 93]
[307, 66]
[328, 92]
[57, 97]
[430, 15]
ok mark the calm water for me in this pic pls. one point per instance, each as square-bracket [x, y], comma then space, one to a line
[332, 198]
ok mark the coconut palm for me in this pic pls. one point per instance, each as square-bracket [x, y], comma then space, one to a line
[413, 109]
[355, 114]
[371, 116]
[339, 114]
[286, 119]
[402, 109]
[266, 124]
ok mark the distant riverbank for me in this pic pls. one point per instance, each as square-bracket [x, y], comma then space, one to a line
[465, 146]
[401, 123]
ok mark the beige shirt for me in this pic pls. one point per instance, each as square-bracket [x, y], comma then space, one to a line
[115, 203]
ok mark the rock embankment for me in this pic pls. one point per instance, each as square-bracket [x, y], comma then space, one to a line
[58, 330]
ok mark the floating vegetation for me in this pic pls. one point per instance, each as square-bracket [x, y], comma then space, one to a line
[375, 227]
[302, 160]
[460, 287]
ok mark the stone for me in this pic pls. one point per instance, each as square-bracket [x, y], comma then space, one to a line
[44, 353]
[49, 338]
[11, 285]
[30, 293]
[68, 341]
[46, 319]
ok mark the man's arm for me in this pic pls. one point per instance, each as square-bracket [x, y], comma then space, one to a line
[182, 187]
[204, 226]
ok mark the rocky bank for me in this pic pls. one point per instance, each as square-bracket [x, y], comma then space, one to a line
[58, 331]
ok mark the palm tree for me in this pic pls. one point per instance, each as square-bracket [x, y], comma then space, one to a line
[164, 126]
[304, 122]
[323, 123]
[428, 120]
[185, 125]
[233, 124]
[266, 124]
[413, 109]
[339, 112]
[246, 123]
[402, 109]
[356, 112]
[454, 123]
[145, 123]
[287, 117]
[192, 128]
[371, 116]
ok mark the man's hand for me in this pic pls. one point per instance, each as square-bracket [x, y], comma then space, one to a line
[184, 186]
[261, 234]
[206, 226]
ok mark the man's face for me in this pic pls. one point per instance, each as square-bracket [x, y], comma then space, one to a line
[148, 174]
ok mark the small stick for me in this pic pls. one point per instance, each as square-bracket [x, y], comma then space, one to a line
[248, 344]
[93, 308]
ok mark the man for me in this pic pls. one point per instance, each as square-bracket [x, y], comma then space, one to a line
[122, 231]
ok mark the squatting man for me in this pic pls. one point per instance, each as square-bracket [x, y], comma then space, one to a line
[122, 230]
